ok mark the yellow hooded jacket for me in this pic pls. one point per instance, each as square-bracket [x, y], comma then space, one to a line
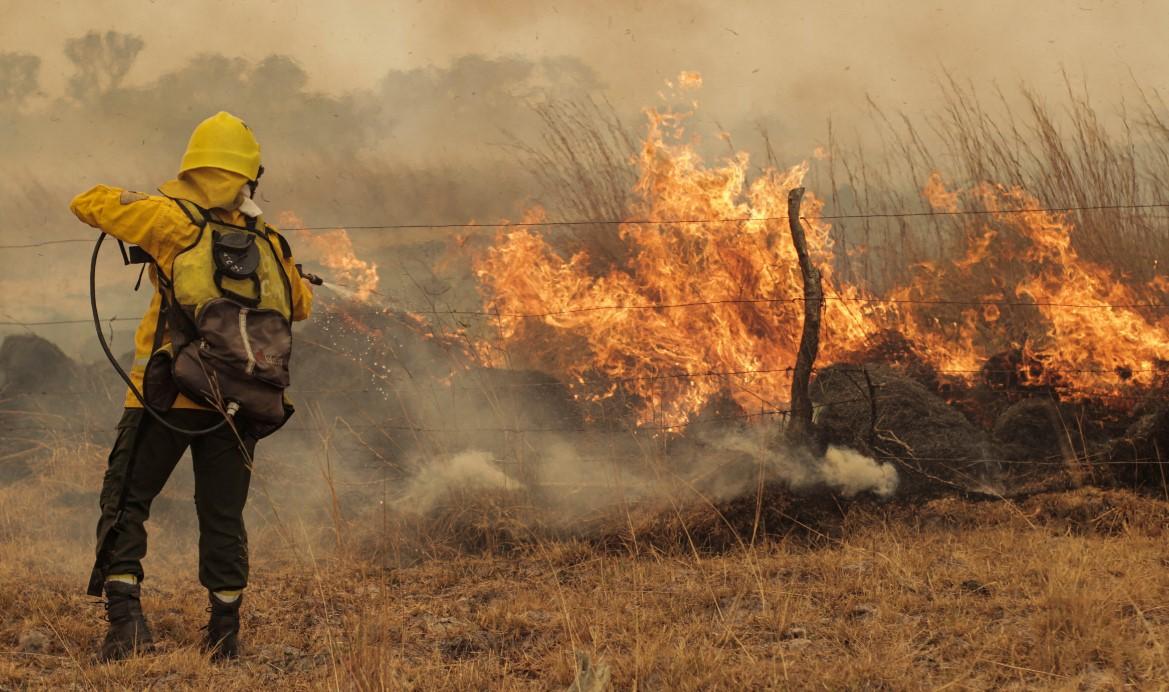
[159, 226]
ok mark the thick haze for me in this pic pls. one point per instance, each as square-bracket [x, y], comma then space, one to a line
[382, 113]
[772, 60]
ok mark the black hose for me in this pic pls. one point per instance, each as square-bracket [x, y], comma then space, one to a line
[114, 361]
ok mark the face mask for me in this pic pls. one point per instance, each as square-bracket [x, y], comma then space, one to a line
[246, 205]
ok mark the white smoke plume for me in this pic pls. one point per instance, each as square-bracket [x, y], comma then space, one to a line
[841, 470]
[849, 472]
[468, 470]
[723, 468]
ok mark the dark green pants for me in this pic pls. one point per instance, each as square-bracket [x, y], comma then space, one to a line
[222, 476]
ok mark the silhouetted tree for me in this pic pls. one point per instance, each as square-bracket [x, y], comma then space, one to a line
[102, 61]
[278, 76]
[18, 78]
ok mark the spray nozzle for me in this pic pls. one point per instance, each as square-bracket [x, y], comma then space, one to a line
[311, 278]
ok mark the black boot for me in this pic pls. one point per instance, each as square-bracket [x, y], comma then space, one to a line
[128, 633]
[223, 628]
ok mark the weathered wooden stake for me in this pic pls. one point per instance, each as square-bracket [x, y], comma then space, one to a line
[799, 430]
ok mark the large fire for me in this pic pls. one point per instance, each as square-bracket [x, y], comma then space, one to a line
[726, 286]
[706, 301]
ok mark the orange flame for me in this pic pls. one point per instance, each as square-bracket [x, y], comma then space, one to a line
[1079, 328]
[743, 260]
[722, 295]
[334, 250]
[689, 80]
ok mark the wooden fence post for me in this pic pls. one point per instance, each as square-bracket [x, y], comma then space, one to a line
[799, 430]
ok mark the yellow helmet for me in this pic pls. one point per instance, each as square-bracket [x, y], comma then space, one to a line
[223, 141]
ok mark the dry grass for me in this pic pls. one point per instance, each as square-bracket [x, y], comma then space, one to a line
[1062, 591]
[1068, 152]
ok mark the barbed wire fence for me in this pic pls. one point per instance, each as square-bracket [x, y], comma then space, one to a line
[314, 396]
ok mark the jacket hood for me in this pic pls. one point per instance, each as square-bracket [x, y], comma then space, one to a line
[210, 188]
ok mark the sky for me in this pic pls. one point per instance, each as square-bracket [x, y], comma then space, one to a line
[759, 59]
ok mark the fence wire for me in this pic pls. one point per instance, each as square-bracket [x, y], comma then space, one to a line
[669, 222]
[345, 392]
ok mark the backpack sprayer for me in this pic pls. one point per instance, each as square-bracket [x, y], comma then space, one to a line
[136, 255]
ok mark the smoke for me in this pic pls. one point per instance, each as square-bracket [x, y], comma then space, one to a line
[410, 114]
[851, 473]
[793, 66]
[413, 146]
[843, 471]
[569, 485]
[470, 470]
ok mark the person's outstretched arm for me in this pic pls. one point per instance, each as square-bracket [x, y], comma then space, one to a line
[153, 223]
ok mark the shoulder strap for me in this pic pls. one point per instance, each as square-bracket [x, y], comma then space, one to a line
[285, 248]
[163, 324]
[198, 215]
[170, 315]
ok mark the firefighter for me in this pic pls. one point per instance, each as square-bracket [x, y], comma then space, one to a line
[214, 190]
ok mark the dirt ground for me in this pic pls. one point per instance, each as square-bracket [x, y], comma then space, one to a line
[1061, 591]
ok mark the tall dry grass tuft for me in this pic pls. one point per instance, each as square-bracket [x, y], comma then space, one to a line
[1068, 154]
[582, 163]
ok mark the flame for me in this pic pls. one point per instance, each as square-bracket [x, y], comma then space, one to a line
[743, 260]
[703, 304]
[689, 80]
[1095, 328]
[696, 311]
[1079, 329]
[334, 250]
[938, 196]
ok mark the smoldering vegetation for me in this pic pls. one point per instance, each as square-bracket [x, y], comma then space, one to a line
[398, 464]
[405, 448]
